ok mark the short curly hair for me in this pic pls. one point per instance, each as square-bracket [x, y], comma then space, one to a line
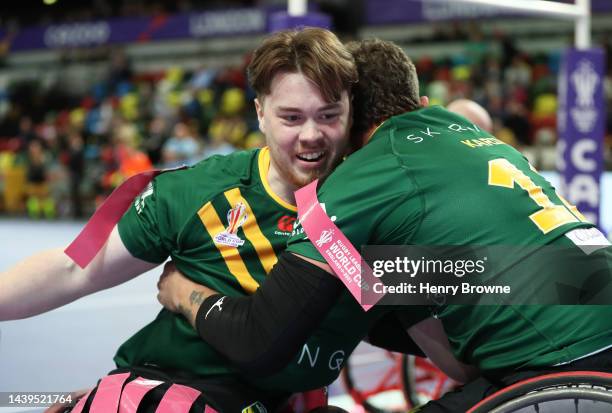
[388, 84]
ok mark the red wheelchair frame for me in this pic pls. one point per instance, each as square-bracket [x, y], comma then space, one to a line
[407, 374]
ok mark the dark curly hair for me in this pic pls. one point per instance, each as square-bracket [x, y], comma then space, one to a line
[388, 84]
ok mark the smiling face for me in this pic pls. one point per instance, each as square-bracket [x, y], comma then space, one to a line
[307, 135]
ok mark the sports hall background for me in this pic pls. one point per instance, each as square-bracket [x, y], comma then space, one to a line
[92, 92]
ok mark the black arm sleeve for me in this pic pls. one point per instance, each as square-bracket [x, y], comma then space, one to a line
[261, 333]
[390, 334]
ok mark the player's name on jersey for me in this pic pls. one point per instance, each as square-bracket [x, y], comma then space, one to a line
[422, 135]
[477, 143]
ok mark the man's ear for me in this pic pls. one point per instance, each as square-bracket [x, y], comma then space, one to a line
[424, 101]
[260, 115]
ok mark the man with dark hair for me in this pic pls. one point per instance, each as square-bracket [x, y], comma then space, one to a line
[425, 176]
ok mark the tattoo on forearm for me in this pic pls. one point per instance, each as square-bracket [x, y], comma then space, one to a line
[196, 298]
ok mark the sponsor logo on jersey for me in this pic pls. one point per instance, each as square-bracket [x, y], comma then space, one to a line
[217, 304]
[297, 225]
[256, 407]
[285, 225]
[588, 240]
[297, 228]
[140, 199]
[235, 218]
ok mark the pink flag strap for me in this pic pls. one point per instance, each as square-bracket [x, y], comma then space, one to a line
[107, 395]
[94, 235]
[333, 245]
[177, 399]
[209, 409]
[78, 408]
[134, 392]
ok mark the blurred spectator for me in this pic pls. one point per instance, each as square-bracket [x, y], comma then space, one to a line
[12, 181]
[155, 137]
[26, 132]
[181, 149]
[255, 139]
[517, 121]
[218, 143]
[519, 72]
[131, 160]
[38, 200]
[228, 130]
[120, 71]
[76, 167]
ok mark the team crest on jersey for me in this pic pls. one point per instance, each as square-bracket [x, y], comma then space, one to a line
[235, 218]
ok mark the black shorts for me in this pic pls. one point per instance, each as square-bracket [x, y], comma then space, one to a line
[224, 394]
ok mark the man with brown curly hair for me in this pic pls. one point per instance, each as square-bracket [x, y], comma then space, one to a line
[223, 222]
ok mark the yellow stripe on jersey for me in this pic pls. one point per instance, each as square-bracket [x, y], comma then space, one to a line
[252, 232]
[263, 162]
[230, 254]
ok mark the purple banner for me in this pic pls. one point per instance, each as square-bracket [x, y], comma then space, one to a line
[581, 125]
[81, 34]
[213, 24]
[128, 30]
[379, 12]
[282, 20]
[412, 11]
[242, 21]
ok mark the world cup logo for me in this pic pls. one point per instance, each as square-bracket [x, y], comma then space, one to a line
[326, 236]
[235, 218]
[585, 81]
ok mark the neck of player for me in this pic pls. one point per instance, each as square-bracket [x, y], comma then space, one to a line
[280, 186]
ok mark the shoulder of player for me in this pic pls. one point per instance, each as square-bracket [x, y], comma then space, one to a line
[180, 194]
[209, 176]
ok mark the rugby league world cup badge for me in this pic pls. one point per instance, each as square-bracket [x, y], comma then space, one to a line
[235, 218]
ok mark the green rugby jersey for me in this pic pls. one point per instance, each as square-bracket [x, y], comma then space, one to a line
[430, 177]
[224, 228]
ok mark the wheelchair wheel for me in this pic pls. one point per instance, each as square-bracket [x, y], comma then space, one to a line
[385, 382]
[576, 392]
[422, 381]
[373, 380]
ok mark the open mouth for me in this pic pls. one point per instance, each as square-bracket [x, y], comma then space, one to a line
[311, 157]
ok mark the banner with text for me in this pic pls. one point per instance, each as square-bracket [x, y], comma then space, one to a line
[581, 122]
